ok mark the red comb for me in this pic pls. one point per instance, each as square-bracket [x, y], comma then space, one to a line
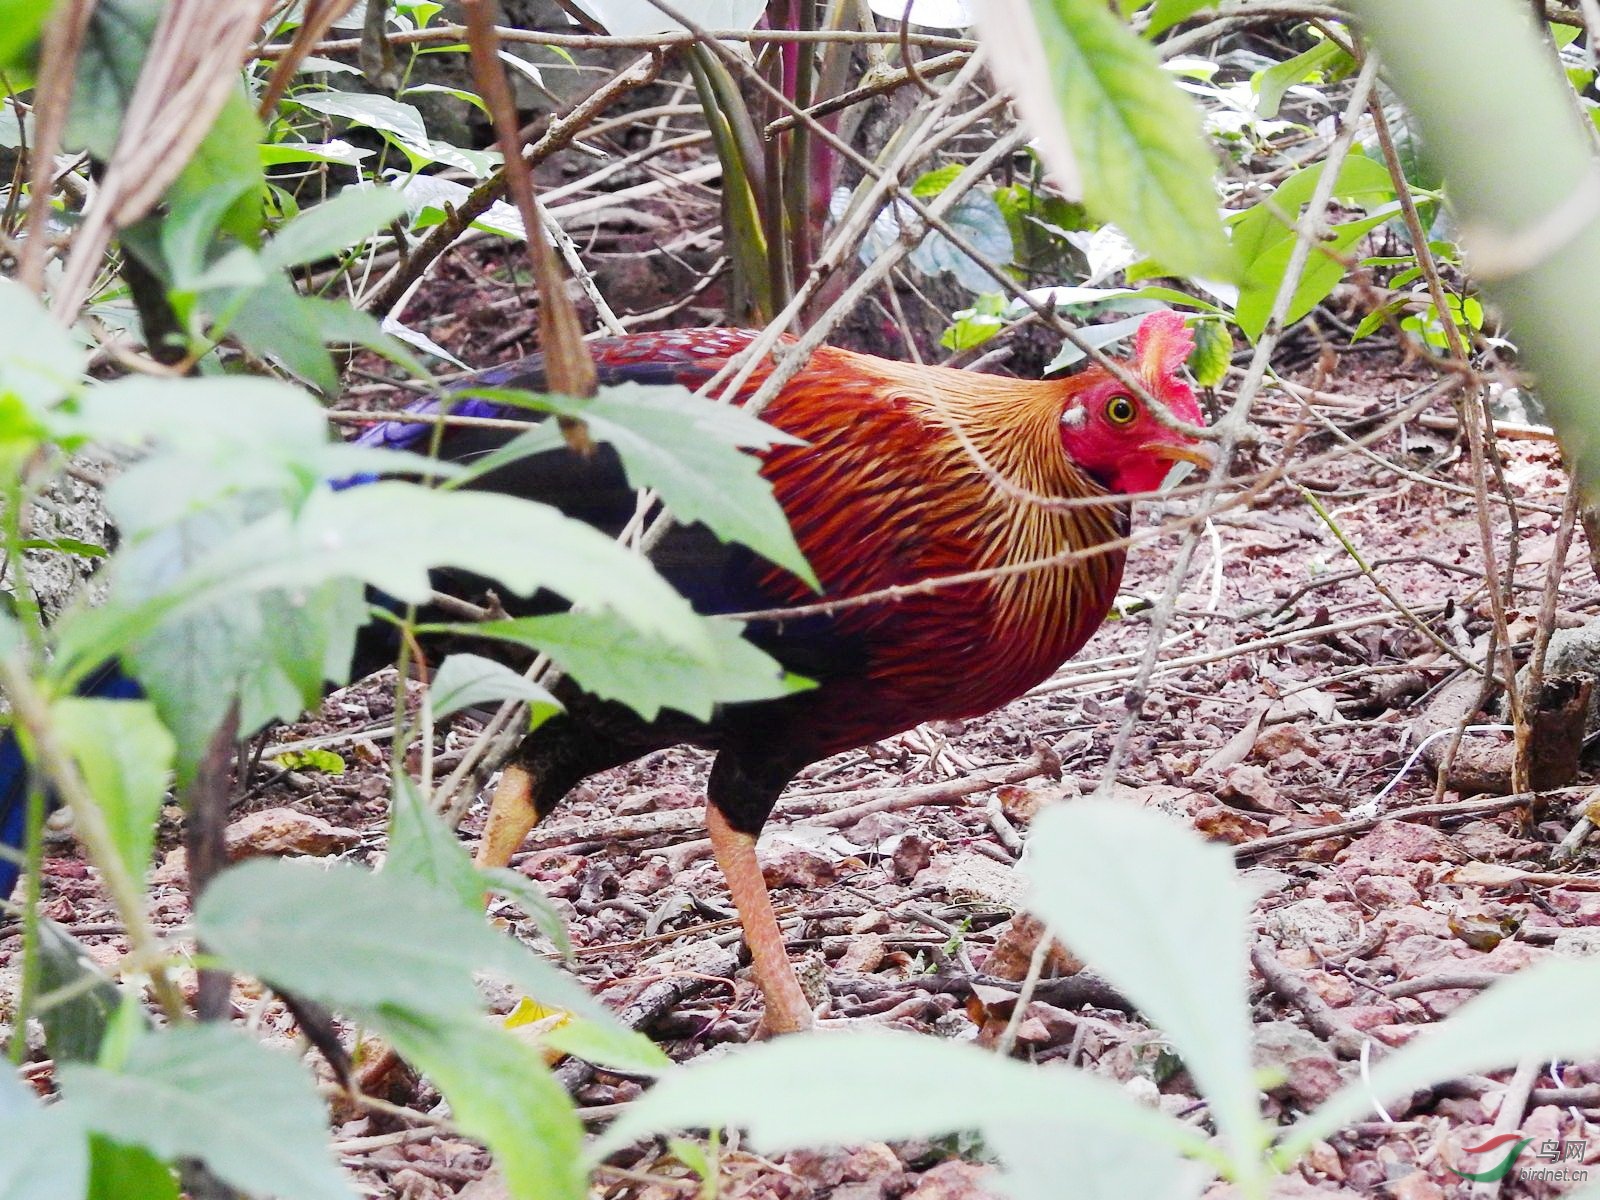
[1162, 344]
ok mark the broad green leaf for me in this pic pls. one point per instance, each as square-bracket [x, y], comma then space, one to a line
[275, 154]
[389, 535]
[465, 680]
[125, 755]
[107, 71]
[851, 1087]
[21, 22]
[365, 108]
[118, 1172]
[933, 182]
[1324, 269]
[423, 848]
[279, 323]
[323, 762]
[74, 1026]
[39, 361]
[44, 1155]
[1274, 81]
[1212, 353]
[686, 448]
[524, 892]
[358, 941]
[341, 325]
[1162, 915]
[1103, 1164]
[1164, 14]
[981, 223]
[616, 661]
[501, 1092]
[1535, 1014]
[211, 1093]
[1362, 183]
[607, 1044]
[1111, 121]
[333, 226]
[226, 162]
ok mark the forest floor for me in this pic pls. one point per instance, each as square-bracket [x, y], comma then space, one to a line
[1290, 693]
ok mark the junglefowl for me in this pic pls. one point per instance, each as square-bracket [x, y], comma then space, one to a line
[904, 474]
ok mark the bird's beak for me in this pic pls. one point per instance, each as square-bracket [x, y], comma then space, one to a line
[1198, 453]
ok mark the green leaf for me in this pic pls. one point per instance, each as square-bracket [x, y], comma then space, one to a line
[846, 1088]
[125, 754]
[1170, 936]
[524, 892]
[615, 661]
[277, 322]
[982, 224]
[389, 535]
[333, 226]
[211, 1093]
[423, 848]
[324, 762]
[274, 154]
[1326, 57]
[365, 108]
[1212, 353]
[118, 1172]
[358, 941]
[1536, 1014]
[1325, 267]
[1164, 14]
[465, 680]
[686, 448]
[607, 1044]
[1102, 1164]
[39, 360]
[73, 1027]
[340, 325]
[107, 71]
[44, 1155]
[226, 163]
[501, 1092]
[1109, 116]
[21, 23]
[933, 182]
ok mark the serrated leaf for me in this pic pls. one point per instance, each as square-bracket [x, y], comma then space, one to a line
[211, 1093]
[1170, 936]
[125, 755]
[1212, 353]
[118, 1172]
[615, 661]
[524, 892]
[1110, 120]
[363, 942]
[44, 1155]
[978, 219]
[39, 360]
[501, 1092]
[333, 226]
[1271, 83]
[1528, 1016]
[686, 448]
[75, 1026]
[423, 848]
[846, 1088]
[465, 680]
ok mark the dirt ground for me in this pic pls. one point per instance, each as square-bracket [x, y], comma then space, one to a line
[1290, 694]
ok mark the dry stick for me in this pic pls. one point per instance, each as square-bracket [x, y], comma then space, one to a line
[1233, 424]
[1475, 440]
[146, 950]
[560, 133]
[1512, 1107]
[319, 18]
[1542, 633]
[63, 41]
[1486, 806]
[1321, 1016]
[655, 41]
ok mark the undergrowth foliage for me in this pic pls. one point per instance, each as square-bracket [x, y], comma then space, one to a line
[242, 565]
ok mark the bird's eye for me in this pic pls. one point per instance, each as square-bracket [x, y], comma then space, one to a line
[1120, 410]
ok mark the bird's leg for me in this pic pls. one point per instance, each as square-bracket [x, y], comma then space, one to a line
[512, 816]
[788, 1010]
